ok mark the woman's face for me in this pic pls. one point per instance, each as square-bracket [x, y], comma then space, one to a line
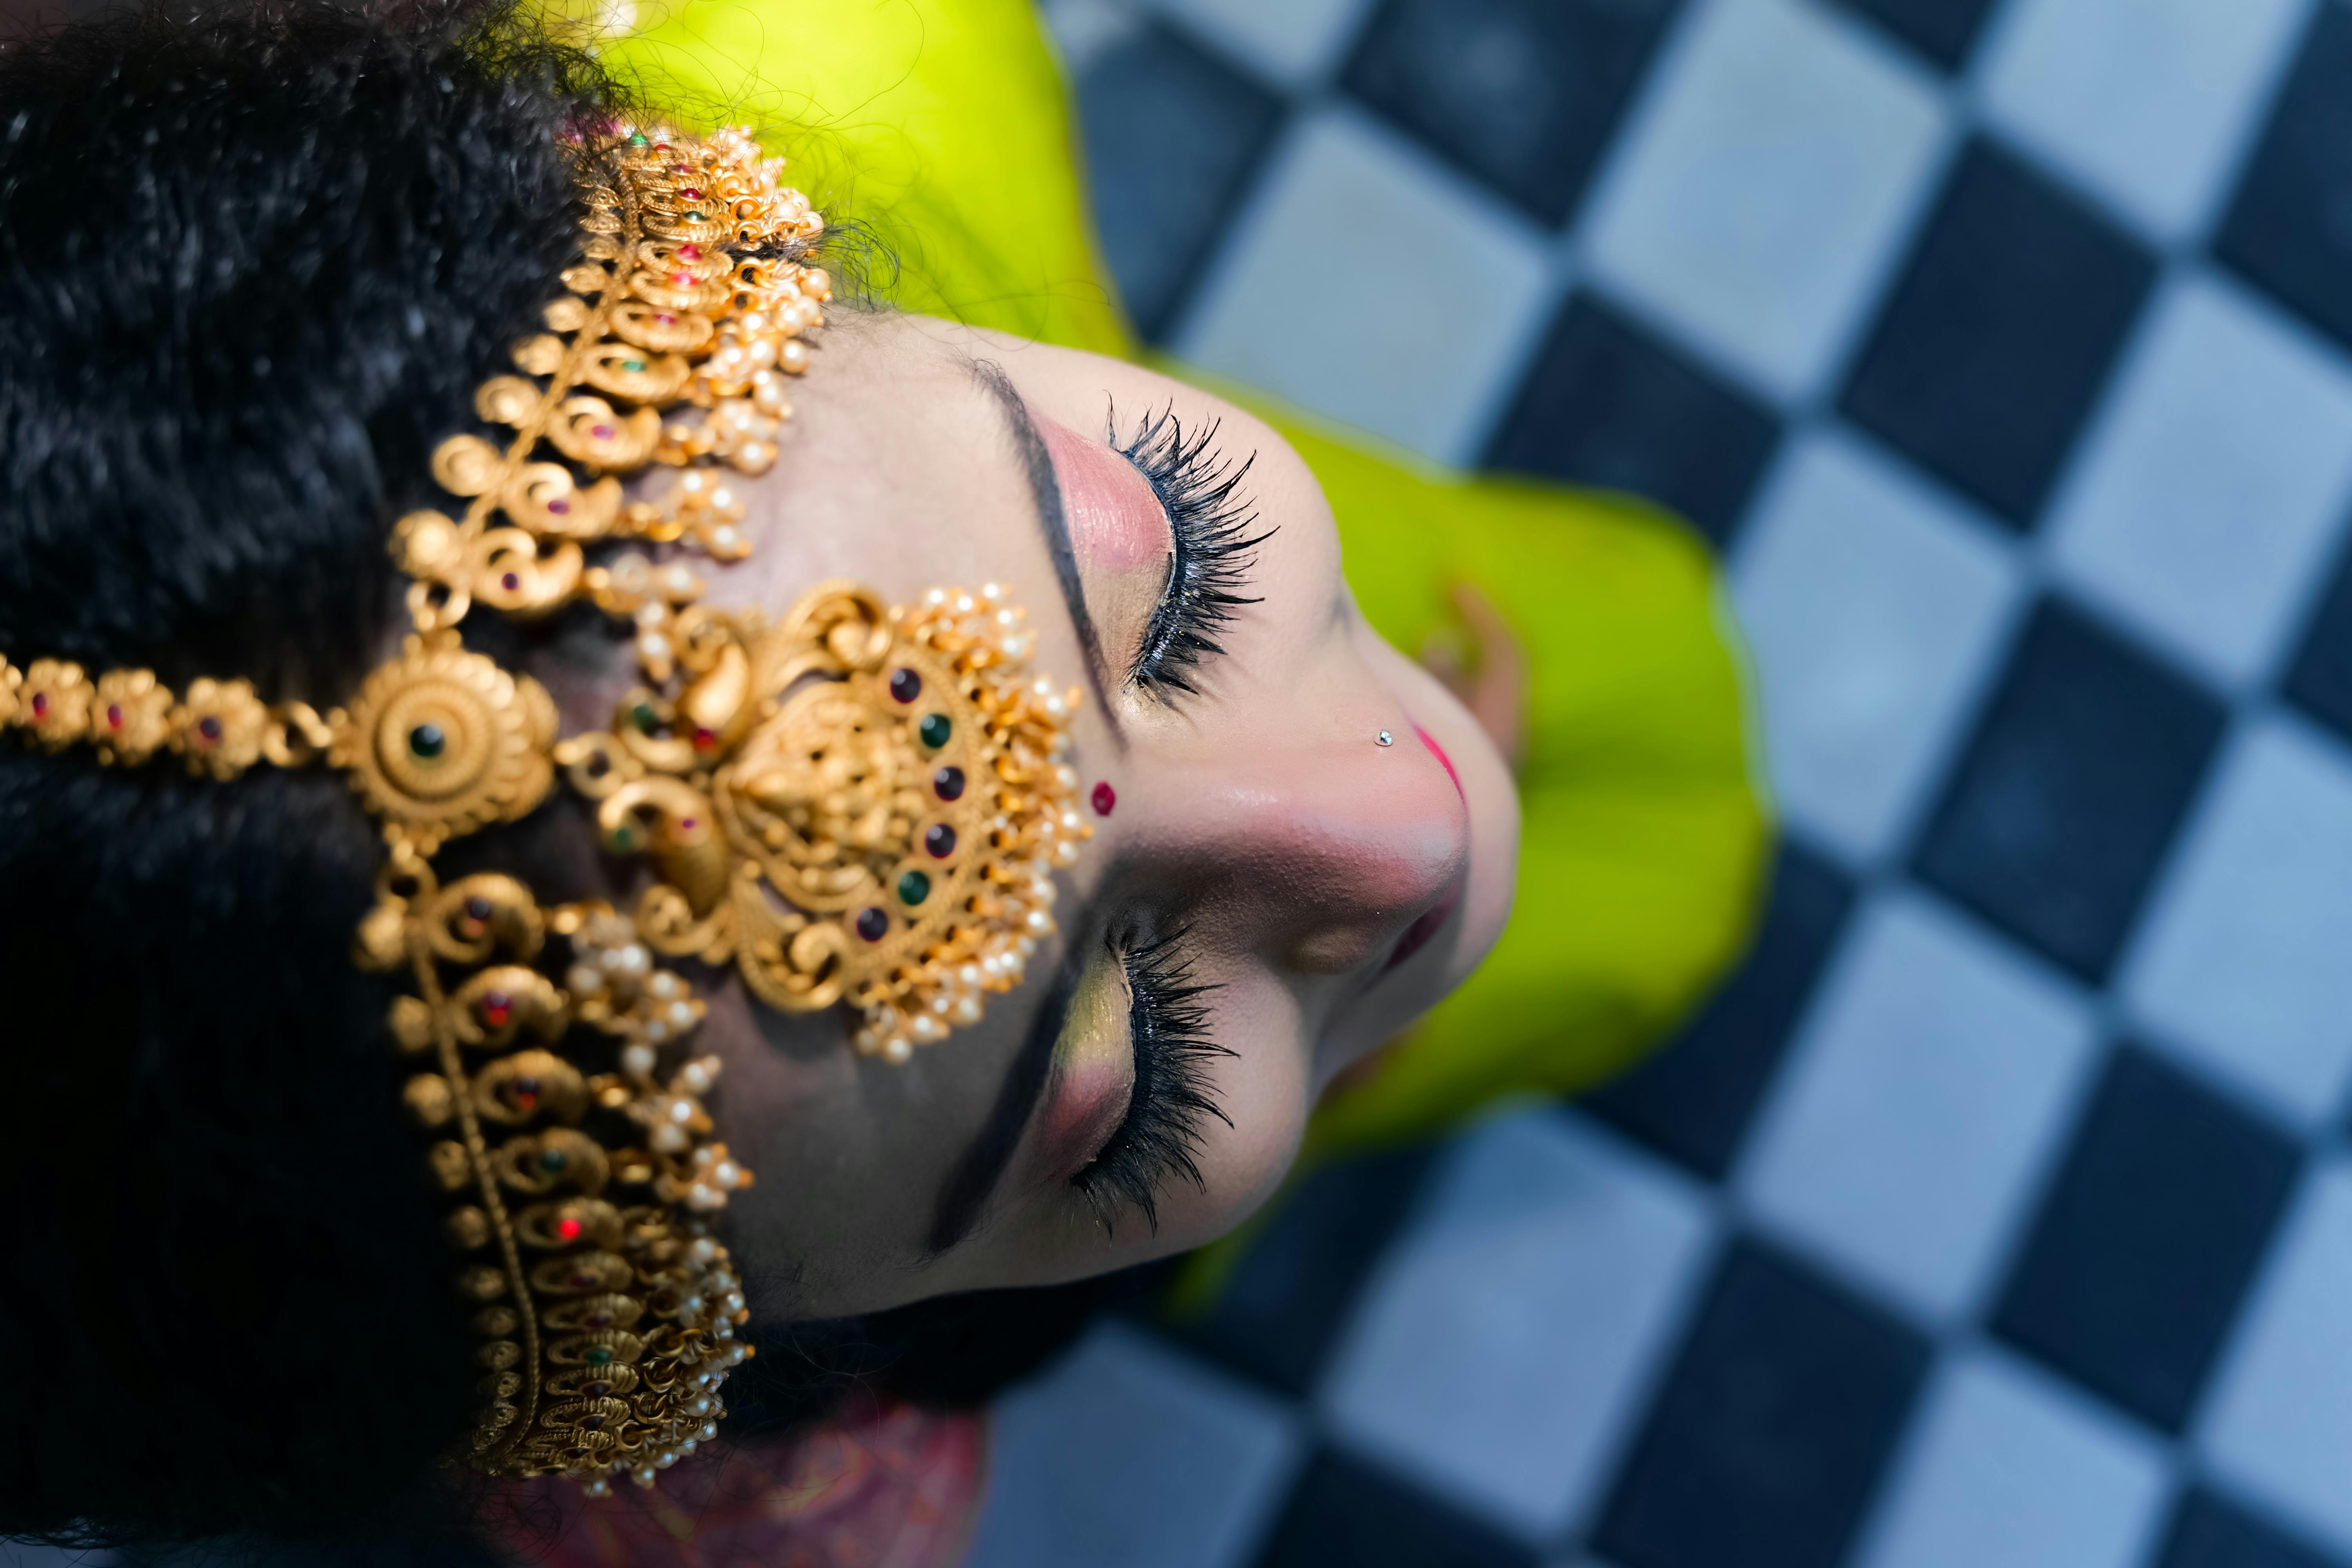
[1272, 894]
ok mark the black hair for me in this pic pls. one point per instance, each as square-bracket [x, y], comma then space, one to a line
[252, 263]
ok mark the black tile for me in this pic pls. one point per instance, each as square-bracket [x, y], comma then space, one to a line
[2289, 227]
[1522, 94]
[1606, 404]
[1939, 29]
[1172, 136]
[1692, 1101]
[1345, 1514]
[2134, 1270]
[2071, 789]
[2320, 680]
[1278, 1312]
[2208, 1532]
[1767, 1439]
[1943, 30]
[2001, 333]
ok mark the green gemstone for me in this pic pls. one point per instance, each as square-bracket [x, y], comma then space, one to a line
[694, 218]
[935, 729]
[914, 888]
[426, 743]
[639, 140]
[551, 1161]
[632, 365]
[597, 1356]
[644, 717]
[625, 837]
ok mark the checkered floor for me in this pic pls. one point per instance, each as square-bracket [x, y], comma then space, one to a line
[2000, 1213]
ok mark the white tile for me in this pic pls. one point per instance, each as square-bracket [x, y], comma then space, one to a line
[1934, 1073]
[1292, 42]
[1369, 286]
[1766, 186]
[1126, 1454]
[2245, 957]
[1872, 611]
[2210, 492]
[1497, 1350]
[2145, 100]
[2279, 1419]
[2009, 1467]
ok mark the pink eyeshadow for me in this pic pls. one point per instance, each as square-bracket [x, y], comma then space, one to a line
[1116, 521]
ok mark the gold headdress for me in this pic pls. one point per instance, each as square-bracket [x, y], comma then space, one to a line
[859, 803]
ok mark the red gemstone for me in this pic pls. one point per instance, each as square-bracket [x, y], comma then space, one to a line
[595, 1390]
[680, 280]
[209, 728]
[114, 715]
[665, 319]
[40, 704]
[705, 739]
[687, 824]
[690, 193]
[581, 1282]
[559, 507]
[496, 1008]
[597, 1319]
[568, 1229]
[690, 252]
[510, 582]
[601, 431]
[1105, 797]
[591, 1423]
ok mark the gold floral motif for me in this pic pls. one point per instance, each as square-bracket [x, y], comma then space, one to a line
[443, 741]
[54, 703]
[131, 717]
[220, 728]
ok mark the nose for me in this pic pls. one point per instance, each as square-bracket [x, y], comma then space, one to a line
[1329, 843]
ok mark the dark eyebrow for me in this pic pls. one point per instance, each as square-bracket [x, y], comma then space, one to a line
[965, 1193]
[1046, 496]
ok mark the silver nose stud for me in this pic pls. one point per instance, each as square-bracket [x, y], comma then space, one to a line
[1385, 739]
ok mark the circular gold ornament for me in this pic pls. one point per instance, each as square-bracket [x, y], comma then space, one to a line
[442, 741]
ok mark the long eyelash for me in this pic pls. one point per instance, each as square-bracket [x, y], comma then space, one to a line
[1210, 521]
[1161, 1134]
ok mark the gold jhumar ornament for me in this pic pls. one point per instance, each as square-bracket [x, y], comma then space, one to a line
[857, 804]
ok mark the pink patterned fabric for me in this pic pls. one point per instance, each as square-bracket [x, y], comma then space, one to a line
[896, 1487]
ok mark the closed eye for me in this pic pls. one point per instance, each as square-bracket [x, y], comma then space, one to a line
[1212, 528]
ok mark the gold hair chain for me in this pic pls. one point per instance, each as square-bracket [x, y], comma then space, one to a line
[857, 804]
